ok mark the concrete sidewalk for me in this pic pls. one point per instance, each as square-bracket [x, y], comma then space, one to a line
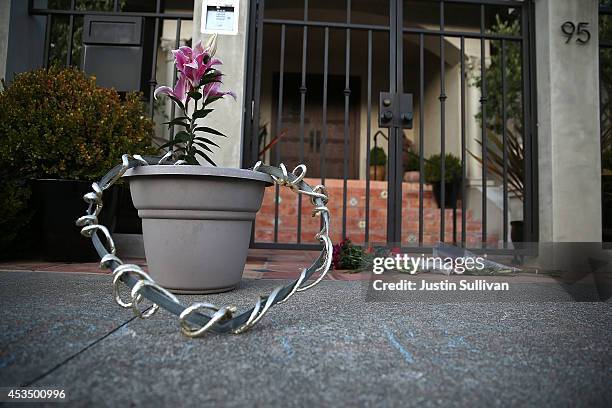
[326, 346]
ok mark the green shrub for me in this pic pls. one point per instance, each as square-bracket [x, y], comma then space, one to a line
[56, 123]
[411, 161]
[378, 157]
[452, 169]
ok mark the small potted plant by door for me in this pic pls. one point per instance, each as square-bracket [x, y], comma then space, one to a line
[196, 217]
[412, 166]
[378, 164]
[452, 179]
[59, 130]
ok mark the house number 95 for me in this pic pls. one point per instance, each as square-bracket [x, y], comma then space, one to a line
[580, 31]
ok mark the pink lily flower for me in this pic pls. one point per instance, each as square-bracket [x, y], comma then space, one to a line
[179, 92]
[193, 62]
[214, 89]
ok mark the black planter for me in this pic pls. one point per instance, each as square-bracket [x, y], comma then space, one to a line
[59, 203]
[516, 231]
[451, 194]
[128, 221]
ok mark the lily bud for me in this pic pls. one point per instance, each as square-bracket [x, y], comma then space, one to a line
[211, 45]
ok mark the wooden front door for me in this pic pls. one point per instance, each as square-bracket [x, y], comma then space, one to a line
[324, 154]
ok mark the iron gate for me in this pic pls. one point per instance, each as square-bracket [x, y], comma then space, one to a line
[472, 57]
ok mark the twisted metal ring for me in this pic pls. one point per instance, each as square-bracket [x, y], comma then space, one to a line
[89, 230]
[125, 165]
[269, 301]
[298, 177]
[319, 209]
[326, 265]
[258, 313]
[97, 190]
[223, 320]
[136, 293]
[249, 323]
[297, 285]
[140, 160]
[284, 180]
[166, 157]
[86, 220]
[118, 274]
[107, 259]
[220, 314]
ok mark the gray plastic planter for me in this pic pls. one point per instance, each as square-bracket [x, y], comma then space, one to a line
[196, 223]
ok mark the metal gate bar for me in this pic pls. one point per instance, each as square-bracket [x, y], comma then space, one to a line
[347, 95]
[483, 109]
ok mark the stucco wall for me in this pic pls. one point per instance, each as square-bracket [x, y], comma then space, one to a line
[228, 114]
[568, 124]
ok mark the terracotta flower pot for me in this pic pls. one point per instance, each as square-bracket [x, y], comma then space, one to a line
[378, 172]
[412, 176]
[196, 223]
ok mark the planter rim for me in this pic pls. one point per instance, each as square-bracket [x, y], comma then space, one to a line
[190, 170]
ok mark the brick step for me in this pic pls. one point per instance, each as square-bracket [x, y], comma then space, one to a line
[288, 214]
[355, 214]
[380, 237]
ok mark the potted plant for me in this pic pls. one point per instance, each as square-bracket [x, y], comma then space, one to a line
[378, 163]
[196, 217]
[412, 165]
[58, 131]
[452, 178]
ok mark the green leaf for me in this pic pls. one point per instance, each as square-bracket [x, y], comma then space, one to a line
[208, 159]
[211, 99]
[180, 137]
[201, 113]
[177, 121]
[206, 140]
[210, 76]
[195, 95]
[208, 130]
[202, 145]
[177, 101]
[191, 160]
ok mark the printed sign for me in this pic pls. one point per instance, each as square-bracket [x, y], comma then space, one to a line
[219, 16]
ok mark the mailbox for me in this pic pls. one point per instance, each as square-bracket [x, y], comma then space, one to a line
[113, 51]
